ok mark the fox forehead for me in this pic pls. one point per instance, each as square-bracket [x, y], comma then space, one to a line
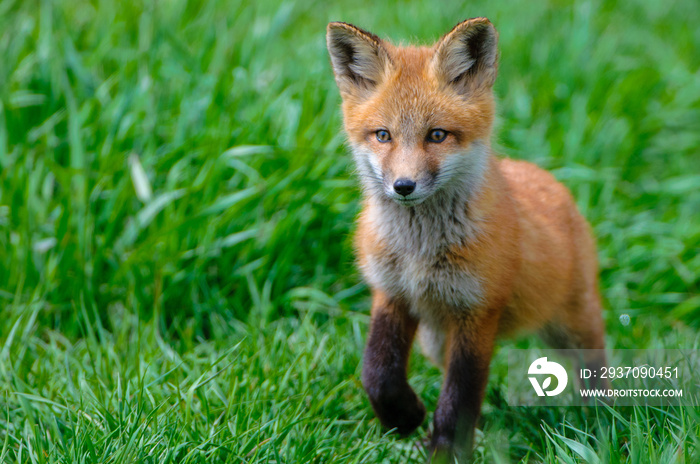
[411, 100]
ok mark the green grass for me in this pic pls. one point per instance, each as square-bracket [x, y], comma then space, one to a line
[176, 209]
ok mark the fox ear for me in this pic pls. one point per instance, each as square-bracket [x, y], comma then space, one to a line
[466, 57]
[359, 60]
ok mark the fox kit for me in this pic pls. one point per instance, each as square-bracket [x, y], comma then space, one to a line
[457, 245]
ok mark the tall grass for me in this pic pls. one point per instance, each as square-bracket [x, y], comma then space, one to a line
[176, 208]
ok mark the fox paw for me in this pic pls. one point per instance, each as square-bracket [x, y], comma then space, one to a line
[405, 413]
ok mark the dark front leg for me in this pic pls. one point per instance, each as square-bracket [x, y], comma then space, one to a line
[469, 350]
[391, 334]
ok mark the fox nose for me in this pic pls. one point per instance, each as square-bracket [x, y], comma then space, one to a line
[404, 187]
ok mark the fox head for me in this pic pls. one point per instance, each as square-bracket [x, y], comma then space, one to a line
[418, 119]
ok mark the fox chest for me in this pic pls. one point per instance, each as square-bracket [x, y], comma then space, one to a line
[428, 281]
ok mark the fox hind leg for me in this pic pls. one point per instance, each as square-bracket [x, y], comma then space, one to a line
[581, 328]
[432, 342]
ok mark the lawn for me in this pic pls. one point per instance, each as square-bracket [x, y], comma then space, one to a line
[177, 280]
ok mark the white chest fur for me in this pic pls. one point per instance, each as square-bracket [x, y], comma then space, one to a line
[416, 263]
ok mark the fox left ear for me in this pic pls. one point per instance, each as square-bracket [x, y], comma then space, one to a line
[466, 57]
[359, 59]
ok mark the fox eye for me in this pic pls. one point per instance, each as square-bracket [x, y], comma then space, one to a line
[437, 135]
[383, 135]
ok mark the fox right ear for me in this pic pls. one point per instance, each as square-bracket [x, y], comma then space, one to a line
[359, 60]
[466, 57]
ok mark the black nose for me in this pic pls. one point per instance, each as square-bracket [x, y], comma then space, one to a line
[404, 186]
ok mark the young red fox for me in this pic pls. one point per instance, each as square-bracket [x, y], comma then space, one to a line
[455, 243]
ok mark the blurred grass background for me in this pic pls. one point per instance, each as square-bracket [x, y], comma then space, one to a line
[176, 209]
